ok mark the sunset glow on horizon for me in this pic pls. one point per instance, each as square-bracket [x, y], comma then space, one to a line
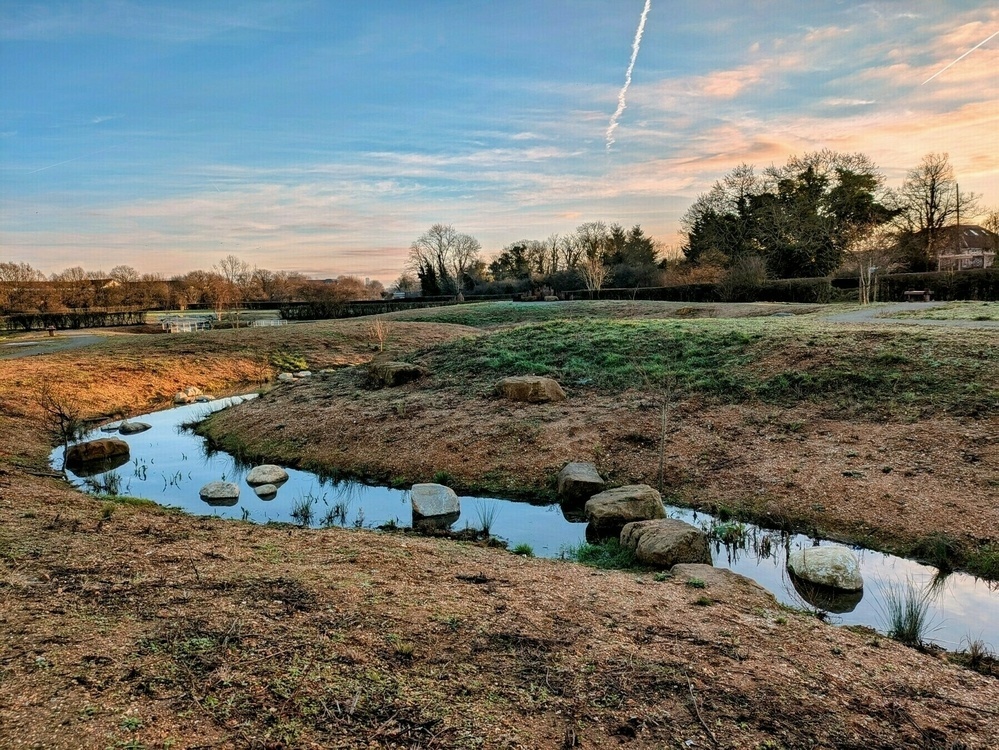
[325, 137]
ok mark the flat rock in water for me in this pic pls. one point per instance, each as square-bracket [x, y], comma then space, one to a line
[96, 450]
[611, 509]
[430, 500]
[834, 566]
[666, 542]
[533, 389]
[133, 428]
[220, 493]
[266, 491]
[578, 482]
[113, 427]
[266, 474]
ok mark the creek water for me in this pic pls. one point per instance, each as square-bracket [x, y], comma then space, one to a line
[169, 464]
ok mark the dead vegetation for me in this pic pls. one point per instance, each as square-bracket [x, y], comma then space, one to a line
[134, 627]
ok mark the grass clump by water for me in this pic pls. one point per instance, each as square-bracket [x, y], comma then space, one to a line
[523, 549]
[302, 511]
[907, 613]
[609, 555]
[486, 513]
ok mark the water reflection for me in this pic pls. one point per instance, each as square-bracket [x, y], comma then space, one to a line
[170, 464]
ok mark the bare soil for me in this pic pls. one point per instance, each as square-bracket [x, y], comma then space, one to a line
[125, 626]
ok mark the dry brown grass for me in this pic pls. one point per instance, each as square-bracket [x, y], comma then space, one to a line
[137, 627]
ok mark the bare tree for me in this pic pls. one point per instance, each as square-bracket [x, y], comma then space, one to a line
[928, 201]
[594, 272]
[873, 253]
[236, 280]
[445, 253]
[19, 287]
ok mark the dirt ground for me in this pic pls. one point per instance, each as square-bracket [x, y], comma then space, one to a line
[133, 627]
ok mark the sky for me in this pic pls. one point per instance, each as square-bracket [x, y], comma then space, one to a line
[324, 136]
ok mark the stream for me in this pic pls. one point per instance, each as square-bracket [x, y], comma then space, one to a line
[169, 464]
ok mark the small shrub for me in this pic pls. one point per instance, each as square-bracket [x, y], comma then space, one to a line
[703, 601]
[695, 583]
[523, 549]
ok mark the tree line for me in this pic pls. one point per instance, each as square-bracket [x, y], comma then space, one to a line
[228, 284]
[826, 211]
[443, 261]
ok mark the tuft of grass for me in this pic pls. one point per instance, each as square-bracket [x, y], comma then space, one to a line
[907, 613]
[939, 550]
[695, 583]
[609, 555]
[289, 361]
[523, 549]
[983, 561]
[486, 513]
[104, 484]
[302, 510]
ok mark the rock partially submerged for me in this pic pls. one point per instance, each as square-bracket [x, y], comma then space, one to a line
[266, 491]
[266, 474]
[578, 482]
[133, 428]
[220, 493]
[533, 389]
[665, 542]
[833, 566]
[94, 451]
[610, 510]
[429, 500]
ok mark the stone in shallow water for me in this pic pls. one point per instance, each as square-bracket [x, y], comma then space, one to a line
[833, 566]
[96, 450]
[665, 542]
[578, 482]
[430, 500]
[611, 509]
[266, 474]
[266, 491]
[220, 493]
[133, 428]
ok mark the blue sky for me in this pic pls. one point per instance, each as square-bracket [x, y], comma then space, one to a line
[324, 137]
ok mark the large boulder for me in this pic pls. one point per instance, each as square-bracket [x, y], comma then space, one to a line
[133, 428]
[390, 374]
[266, 474]
[665, 542]
[94, 451]
[578, 482]
[834, 566]
[431, 500]
[610, 510]
[531, 388]
[220, 493]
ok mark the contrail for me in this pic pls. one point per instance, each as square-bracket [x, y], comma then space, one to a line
[75, 158]
[958, 59]
[621, 100]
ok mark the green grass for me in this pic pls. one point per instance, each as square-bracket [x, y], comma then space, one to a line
[523, 549]
[849, 372]
[953, 311]
[609, 555]
[907, 613]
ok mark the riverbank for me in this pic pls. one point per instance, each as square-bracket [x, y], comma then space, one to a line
[126, 625]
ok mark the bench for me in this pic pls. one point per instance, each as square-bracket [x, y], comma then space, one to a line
[914, 295]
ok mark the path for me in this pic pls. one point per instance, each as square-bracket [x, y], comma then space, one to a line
[879, 314]
[32, 346]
